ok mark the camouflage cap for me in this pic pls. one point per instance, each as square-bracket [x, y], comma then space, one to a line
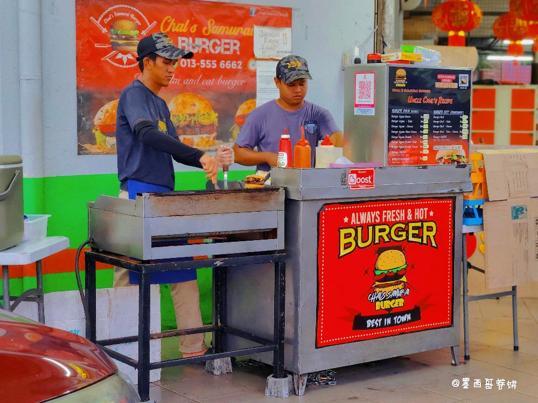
[160, 44]
[292, 68]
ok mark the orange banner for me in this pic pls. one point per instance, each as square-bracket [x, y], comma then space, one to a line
[220, 79]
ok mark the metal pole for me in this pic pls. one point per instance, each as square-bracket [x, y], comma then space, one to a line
[91, 293]
[223, 306]
[40, 292]
[514, 317]
[215, 312]
[279, 319]
[5, 273]
[143, 332]
[218, 309]
[465, 277]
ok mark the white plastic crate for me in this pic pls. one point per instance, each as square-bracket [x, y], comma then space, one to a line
[35, 227]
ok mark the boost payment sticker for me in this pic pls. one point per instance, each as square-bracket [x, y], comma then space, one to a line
[361, 178]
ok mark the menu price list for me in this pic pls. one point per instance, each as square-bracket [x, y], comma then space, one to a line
[413, 131]
[445, 124]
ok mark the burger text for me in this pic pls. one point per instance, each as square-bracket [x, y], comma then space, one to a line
[214, 46]
[364, 236]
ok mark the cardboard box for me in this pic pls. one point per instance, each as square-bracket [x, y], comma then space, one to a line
[117, 316]
[511, 173]
[511, 238]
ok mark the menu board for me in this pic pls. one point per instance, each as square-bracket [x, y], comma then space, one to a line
[428, 116]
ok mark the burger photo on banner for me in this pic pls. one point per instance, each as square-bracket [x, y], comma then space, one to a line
[241, 116]
[209, 96]
[195, 120]
[104, 129]
[124, 35]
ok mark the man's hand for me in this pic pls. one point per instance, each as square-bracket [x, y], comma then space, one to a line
[225, 156]
[210, 166]
[272, 159]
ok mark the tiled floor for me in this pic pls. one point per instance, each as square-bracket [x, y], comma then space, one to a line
[424, 377]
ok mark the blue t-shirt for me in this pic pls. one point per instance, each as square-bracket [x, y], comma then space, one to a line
[266, 123]
[137, 160]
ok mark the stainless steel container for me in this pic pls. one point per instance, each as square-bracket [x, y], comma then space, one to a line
[11, 201]
[400, 115]
[170, 225]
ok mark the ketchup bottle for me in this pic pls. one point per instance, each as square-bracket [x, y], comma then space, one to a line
[302, 152]
[285, 157]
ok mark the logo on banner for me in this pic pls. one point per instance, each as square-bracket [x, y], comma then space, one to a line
[361, 178]
[389, 292]
[463, 81]
[400, 78]
[446, 81]
[122, 27]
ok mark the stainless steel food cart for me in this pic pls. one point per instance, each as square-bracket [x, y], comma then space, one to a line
[309, 195]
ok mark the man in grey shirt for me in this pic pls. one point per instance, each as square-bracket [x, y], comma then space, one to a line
[258, 140]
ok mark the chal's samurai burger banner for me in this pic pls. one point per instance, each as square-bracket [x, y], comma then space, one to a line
[209, 96]
[384, 268]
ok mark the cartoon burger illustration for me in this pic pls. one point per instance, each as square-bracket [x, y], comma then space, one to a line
[194, 119]
[452, 156]
[241, 116]
[104, 127]
[124, 35]
[390, 269]
[401, 74]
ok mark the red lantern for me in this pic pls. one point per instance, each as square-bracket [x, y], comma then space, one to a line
[525, 9]
[457, 17]
[515, 48]
[509, 26]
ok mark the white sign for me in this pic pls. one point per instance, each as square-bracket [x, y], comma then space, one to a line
[271, 42]
[265, 86]
[364, 94]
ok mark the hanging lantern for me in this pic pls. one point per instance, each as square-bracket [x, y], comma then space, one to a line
[515, 48]
[525, 9]
[457, 17]
[533, 34]
[509, 26]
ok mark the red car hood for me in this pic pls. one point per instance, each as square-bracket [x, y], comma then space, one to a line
[39, 362]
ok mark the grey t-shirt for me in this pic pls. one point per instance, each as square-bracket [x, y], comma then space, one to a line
[266, 123]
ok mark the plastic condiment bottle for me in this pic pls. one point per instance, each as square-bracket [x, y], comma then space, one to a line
[326, 141]
[327, 153]
[373, 58]
[302, 152]
[285, 156]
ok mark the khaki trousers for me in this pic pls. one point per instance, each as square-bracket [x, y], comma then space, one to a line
[186, 300]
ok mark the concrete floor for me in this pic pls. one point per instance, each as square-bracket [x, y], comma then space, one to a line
[424, 377]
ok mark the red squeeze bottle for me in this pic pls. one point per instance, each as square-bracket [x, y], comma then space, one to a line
[285, 157]
[302, 152]
[326, 141]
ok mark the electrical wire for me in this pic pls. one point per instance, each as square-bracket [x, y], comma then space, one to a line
[79, 279]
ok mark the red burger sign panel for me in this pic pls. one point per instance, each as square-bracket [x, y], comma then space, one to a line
[384, 268]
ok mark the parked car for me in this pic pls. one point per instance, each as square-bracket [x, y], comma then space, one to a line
[41, 363]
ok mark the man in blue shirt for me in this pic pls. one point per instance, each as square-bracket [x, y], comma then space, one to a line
[258, 140]
[146, 143]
